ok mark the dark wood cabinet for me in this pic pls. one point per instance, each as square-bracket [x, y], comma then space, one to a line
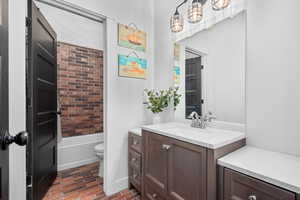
[135, 161]
[156, 162]
[186, 171]
[173, 169]
[242, 187]
[177, 170]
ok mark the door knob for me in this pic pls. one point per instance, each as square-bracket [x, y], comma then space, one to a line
[20, 139]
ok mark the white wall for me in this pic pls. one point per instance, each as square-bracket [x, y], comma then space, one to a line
[17, 101]
[123, 96]
[273, 75]
[223, 47]
[74, 29]
[163, 45]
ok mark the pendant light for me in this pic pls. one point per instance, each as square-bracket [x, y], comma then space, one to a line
[176, 21]
[220, 4]
[195, 11]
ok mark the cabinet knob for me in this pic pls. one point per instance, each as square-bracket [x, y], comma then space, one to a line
[252, 197]
[154, 196]
[166, 147]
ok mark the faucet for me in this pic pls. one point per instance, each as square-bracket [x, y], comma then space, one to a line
[199, 121]
[196, 123]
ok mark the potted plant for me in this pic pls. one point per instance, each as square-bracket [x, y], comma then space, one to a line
[158, 101]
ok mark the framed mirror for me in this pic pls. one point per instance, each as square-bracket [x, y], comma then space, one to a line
[212, 72]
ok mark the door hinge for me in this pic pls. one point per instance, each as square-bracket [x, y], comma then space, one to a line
[202, 66]
[29, 180]
[28, 21]
[202, 101]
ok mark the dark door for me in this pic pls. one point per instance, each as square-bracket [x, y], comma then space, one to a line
[3, 96]
[156, 162]
[186, 171]
[193, 86]
[41, 104]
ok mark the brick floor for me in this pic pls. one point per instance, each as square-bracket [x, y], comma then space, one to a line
[82, 183]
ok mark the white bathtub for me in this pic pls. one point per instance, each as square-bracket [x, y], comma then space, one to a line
[77, 151]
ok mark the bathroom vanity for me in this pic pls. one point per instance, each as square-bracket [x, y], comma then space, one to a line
[135, 159]
[251, 173]
[180, 162]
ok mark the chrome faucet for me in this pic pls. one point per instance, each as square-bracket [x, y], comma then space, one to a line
[199, 121]
[196, 122]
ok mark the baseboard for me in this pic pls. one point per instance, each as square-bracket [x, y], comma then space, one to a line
[77, 151]
[76, 164]
[118, 186]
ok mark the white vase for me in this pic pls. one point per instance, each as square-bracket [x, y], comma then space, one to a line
[157, 118]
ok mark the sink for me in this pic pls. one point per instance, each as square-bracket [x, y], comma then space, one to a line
[208, 137]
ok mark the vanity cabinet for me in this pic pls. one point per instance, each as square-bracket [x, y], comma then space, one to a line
[177, 170]
[235, 185]
[135, 161]
[167, 174]
[156, 164]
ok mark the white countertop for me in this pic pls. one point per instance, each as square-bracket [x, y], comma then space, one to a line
[210, 137]
[137, 131]
[279, 169]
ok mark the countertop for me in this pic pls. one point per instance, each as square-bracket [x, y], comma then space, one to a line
[137, 131]
[279, 169]
[210, 137]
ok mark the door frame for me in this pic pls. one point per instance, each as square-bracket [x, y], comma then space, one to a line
[4, 97]
[17, 100]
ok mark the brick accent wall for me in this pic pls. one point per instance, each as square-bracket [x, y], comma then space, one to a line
[80, 89]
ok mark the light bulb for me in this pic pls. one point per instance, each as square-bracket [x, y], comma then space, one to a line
[220, 4]
[195, 12]
[176, 23]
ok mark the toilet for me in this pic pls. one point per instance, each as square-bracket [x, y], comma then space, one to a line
[99, 149]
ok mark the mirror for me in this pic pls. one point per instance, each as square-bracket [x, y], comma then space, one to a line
[209, 69]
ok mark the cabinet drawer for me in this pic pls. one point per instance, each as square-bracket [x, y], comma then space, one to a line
[151, 193]
[135, 160]
[242, 187]
[135, 142]
[135, 177]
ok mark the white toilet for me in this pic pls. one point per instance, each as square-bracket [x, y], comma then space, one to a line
[99, 149]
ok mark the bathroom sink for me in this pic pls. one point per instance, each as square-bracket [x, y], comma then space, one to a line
[209, 137]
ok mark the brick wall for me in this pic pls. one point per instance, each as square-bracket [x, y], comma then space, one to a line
[80, 89]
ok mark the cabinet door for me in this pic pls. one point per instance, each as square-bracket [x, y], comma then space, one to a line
[155, 161]
[242, 187]
[186, 171]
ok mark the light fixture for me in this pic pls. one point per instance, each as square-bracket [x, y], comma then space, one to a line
[195, 11]
[176, 21]
[220, 4]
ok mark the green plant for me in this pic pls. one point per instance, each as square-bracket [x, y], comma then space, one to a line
[160, 100]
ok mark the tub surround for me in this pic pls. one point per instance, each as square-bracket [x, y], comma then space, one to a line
[210, 138]
[279, 169]
[78, 151]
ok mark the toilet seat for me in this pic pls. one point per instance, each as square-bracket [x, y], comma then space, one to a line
[99, 148]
